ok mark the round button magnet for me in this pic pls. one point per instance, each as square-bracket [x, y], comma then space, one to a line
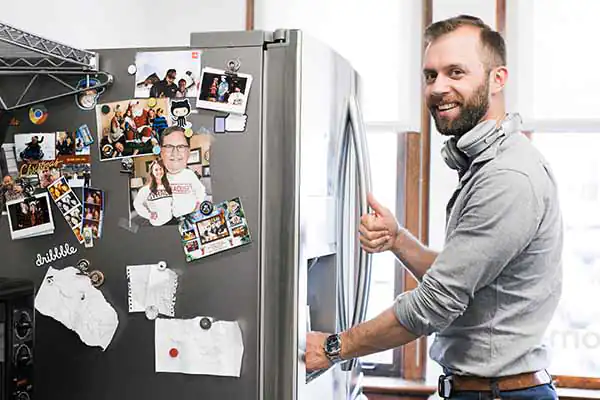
[151, 102]
[162, 266]
[205, 323]
[156, 150]
[132, 69]
[97, 278]
[151, 312]
[173, 352]
[83, 264]
[206, 207]
[188, 133]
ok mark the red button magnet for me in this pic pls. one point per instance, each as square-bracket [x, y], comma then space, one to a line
[173, 352]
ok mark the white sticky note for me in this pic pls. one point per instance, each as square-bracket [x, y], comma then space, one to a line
[71, 299]
[181, 345]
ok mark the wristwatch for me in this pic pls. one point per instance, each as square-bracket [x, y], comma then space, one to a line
[333, 348]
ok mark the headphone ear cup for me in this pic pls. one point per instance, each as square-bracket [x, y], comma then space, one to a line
[453, 157]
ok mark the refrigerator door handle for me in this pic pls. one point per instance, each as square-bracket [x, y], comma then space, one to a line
[365, 186]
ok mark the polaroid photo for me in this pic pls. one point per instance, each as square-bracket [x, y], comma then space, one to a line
[131, 128]
[223, 91]
[171, 74]
[164, 188]
[34, 147]
[224, 228]
[29, 217]
[93, 211]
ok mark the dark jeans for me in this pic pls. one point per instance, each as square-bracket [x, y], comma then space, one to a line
[542, 392]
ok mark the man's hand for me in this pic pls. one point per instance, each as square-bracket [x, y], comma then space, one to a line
[379, 230]
[315, 357]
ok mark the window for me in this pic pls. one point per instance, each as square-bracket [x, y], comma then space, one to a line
[574, 334]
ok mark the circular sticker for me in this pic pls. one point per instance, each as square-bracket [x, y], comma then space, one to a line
[156, 150]
[38, 114]
[132, 69]
[87, 98]
[151, 312]
[205, 323]
[105, 109]
[97, 278]
[188, 133]
[151, 102]
[206, 207]
[108, 150]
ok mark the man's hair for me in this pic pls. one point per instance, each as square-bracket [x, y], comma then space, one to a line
[170, 130]
[491, 41]
[171, 72]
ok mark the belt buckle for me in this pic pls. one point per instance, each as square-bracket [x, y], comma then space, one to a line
[445, 386]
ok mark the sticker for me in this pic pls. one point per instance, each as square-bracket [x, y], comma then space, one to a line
[88, 98]
[131, 129]
[171, 74]
[206, 207]
[126, 165]
[132, 69]
[223, 229]
[68, 204]
[30, 216]
[168, 187]
[230, 123]
[55, 254]
[223, 91]
[14, 122]
[180, 109]
[38, 114]
[83, 133]
[151, 102]
[93, 211]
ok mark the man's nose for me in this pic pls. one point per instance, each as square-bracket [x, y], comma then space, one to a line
[440, 86]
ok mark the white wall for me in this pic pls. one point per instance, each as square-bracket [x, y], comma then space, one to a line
[94, 24]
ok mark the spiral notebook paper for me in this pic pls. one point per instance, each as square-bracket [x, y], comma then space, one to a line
[152, 286]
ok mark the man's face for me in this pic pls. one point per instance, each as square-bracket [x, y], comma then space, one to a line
[7, 181]
[175, 152]
[456, 81]
[171, 78]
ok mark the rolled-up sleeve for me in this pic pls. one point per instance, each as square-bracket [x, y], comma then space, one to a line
[500, 216]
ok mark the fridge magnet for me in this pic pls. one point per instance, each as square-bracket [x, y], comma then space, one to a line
[131, 128]
[93, 211]
[230, 123]
[69, 205]
[171, 74]
[55, 254]
[165, 188]
[152, 286]
[88, 238]
[180, 109]
[132, 69]
[38, 114]
[73, 156]
[83, 133]
[126, 165]
[87, 99]
[223, 229]
[30, 216]
[222, 90]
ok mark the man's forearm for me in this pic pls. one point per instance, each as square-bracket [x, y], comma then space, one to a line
[413, 254]
[381, 333]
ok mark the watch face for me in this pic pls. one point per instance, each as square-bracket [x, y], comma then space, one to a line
[332, 344]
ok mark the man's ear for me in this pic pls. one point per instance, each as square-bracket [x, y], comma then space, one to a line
[498, 78]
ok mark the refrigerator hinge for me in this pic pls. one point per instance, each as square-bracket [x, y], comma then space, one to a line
[275, 37]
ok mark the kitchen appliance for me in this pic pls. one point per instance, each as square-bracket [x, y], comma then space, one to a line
[301, 170]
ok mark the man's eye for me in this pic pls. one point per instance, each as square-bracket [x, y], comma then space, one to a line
[456, 73]
[429, 77]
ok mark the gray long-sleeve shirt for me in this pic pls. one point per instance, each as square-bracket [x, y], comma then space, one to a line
[493, 289]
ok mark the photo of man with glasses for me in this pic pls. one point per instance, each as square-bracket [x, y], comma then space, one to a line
[187, 190]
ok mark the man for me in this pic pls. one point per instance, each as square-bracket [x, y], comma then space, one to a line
[166, 87]
[188, 192]
[33, 150]
[491, 292]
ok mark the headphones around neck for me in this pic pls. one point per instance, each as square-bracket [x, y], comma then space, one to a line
[458, 153]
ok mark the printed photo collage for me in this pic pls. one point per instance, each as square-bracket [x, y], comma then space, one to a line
[208, 232]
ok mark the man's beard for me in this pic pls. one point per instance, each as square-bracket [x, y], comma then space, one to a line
[471, 113]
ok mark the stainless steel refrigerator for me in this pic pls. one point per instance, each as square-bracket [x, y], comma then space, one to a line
[301, 170]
